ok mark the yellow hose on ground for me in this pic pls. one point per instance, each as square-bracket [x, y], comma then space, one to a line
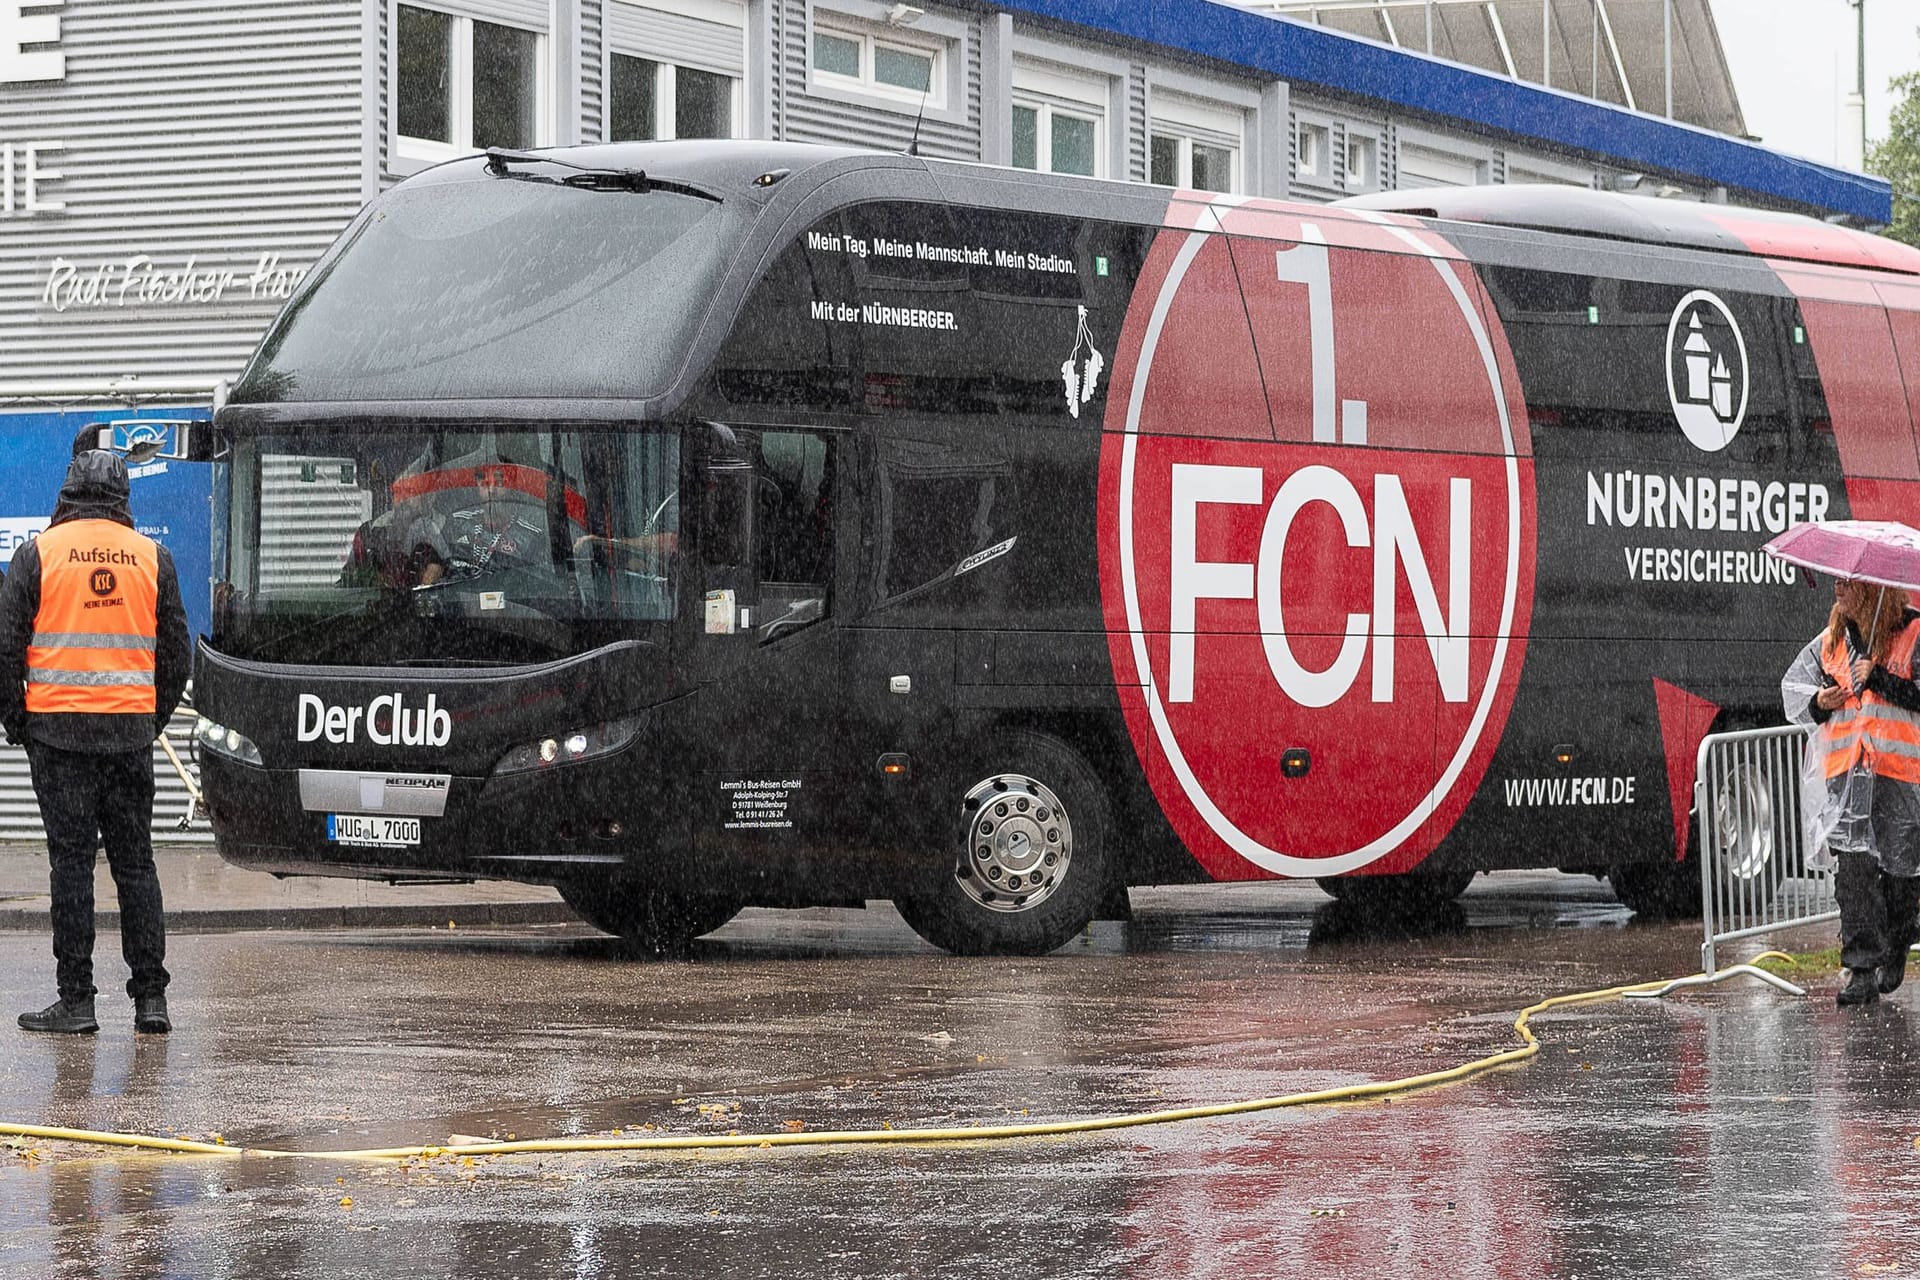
[983, 1133]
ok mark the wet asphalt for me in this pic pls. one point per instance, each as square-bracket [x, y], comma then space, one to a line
[1728, 1132]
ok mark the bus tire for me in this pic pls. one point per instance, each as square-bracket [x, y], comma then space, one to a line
[649, 919]
[1397, 894]
[1664, 890]
[1031, 862]
[1747, 873]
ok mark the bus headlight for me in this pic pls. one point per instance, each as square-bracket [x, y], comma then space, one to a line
[570, 747]
[223, 741]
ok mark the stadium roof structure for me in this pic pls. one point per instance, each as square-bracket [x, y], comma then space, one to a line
[1609, 50]
[1704, 144]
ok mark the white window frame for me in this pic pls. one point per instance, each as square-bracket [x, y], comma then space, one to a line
[1371, 182]
[665, 97]
[1050, 93]
[1315, 134]
[1188, 121]
[1546, 169]
[1443, 156]
[1445, 149]
[864, 84]
[409, 153]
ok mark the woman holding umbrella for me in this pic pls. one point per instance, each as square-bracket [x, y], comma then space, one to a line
[1865, 750]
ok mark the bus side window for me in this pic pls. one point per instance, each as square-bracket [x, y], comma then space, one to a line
[793, 526]
[767, 531]
[937, 504]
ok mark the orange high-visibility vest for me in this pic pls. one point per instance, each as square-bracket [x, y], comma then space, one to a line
[94, 638]
[1867, 729]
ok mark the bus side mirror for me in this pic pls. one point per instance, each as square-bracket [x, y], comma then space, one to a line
[726, 523]
[726, 544]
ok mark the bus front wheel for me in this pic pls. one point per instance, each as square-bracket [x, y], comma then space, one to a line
[650, 919]
[1029, 865]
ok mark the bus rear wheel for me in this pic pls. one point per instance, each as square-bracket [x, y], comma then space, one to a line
[1030, 865]
[1749, 862]
[648, 918]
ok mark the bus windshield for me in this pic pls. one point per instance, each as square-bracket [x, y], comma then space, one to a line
[437, 545]
[494, 288]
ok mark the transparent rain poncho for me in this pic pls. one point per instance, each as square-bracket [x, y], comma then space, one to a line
[1854, 812]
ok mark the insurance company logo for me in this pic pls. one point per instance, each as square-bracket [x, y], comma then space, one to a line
[1354, 580]
[151, 437]
[1706, 370]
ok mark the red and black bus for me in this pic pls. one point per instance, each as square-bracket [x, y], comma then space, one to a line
[697, 525]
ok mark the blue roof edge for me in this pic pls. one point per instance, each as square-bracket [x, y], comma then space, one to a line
[1300, 53]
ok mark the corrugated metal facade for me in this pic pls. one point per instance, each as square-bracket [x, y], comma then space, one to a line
[593, 73]
[20, 813]
[202, 141]
[310, 510]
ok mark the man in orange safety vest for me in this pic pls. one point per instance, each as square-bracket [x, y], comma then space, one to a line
[94, 657]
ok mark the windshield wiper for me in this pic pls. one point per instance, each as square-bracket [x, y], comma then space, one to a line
[500, 162]
[344, 627]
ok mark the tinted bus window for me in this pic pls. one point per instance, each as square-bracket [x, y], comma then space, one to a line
[425, 545]
[497, 288]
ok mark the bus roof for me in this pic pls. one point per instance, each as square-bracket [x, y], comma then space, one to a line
[726, 167]
[1610, 215]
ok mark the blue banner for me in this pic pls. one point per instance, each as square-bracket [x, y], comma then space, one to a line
[172, 500]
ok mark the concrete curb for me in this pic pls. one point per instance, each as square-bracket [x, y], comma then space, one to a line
[469, 915]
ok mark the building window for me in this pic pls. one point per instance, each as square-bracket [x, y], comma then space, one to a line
[425, 74]
[880, 66]
[1363, 162]
[1313, 153]
[1194, 142]
[1055, 139]
[649, 100]
[1059, 120]
[1177, 161]
[1429, 167]
[463, 85]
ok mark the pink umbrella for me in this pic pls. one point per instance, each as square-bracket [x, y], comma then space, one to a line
[1880, 551]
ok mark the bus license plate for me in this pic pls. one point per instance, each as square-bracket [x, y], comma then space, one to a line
[350, 828]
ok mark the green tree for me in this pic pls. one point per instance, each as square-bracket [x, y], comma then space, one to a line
[1897, 159]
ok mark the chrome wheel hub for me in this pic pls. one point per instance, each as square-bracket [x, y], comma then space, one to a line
[1745, 822]
[1018, 843]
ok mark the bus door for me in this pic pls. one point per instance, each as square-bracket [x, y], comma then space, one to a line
[765, 727]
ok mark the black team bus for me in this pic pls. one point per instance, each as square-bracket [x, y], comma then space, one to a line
[699, 525]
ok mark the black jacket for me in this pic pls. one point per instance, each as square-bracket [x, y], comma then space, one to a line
[97, 495]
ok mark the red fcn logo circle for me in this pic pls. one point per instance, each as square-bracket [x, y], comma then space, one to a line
[1316, 532]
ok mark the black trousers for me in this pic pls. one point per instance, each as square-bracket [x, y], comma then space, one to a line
[1877, 912]
[84, 799]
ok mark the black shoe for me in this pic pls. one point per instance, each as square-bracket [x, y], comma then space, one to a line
[72, 1016]
[1862, 988]
[1894, 972]
[150, 1015]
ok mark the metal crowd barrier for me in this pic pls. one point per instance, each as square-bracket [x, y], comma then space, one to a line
[1754, 876]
